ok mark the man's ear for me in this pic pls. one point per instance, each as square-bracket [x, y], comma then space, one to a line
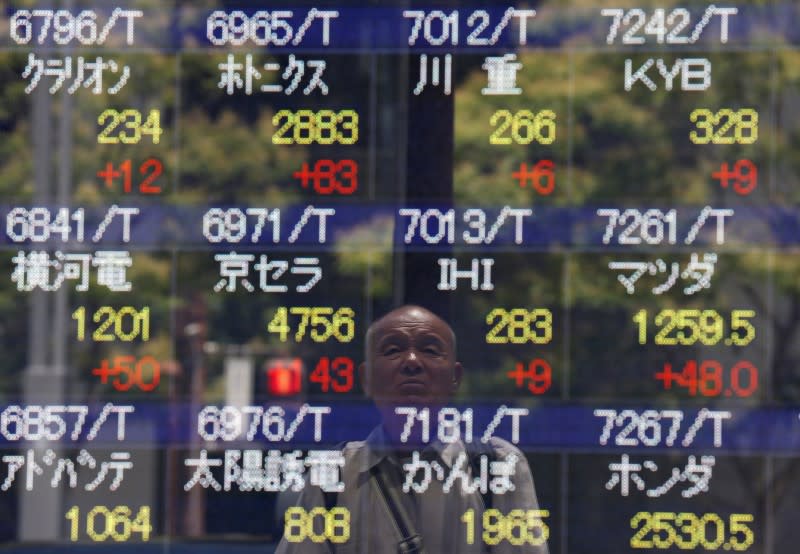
[363, 378]
[458, 373]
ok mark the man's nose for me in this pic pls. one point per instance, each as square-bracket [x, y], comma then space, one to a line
[412, 363]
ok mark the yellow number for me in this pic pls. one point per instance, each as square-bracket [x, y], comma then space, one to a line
[313, 513]
[344, 328]
[637, 540]
[748, 121]
[704, 121]
[304, 127]
[299, 525]
[79, 315]
[536, 522]
[349, 121]
[141, 523]
[152, 126]
[90, 523]
[73, 515]
[738, 524]
[496, 137]
[305, 314]
[687, 319]
[337, 525]
[319, 317]
[660, 522]
[692, 527]
[693, 326]
[711, 327]
[522, 326]
[294, 525]
[116, 523]
[518, 527]
[322, 127]
[518, 326]
[522, 129]
[526, 127]
[691, 531]
[739, 322]
[492, 526]
[719, 525]
[132, 126]
[469, 519]
[121, 517]
[545, 125]
[280, 324]
[727, 119]
[326, 127]
[280, 135]
[324, 321]
[100, 334]
[133, 122]
[516, 520]
[104, 136]
[744, 123]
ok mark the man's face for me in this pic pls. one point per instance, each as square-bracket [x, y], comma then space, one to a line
[410, 359]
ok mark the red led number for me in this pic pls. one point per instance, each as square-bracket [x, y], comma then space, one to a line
[743, 177]
[709, 378]
[541, 176]
[329, 176]
[151, 169]
[127, 371]
[333, 374]
[536, 375]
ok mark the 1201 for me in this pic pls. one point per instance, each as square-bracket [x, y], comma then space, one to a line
[124, 324]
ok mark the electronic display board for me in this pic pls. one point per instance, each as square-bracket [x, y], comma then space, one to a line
[399, 276]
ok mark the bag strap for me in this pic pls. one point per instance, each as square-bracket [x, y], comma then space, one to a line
[411, 543]
[475, 463]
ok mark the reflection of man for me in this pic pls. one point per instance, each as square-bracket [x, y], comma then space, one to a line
[411, 362]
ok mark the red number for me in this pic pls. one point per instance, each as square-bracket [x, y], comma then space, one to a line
[736, 378]
[329, 177]
[336, 374]
[688, 377]
[538, 375]
[541, 176]
[709, 377]
[122, 366]
[128, 374]
[322, 374]
[146, 186]
[343, 370]
[348, 169]
[710, 381]
[151, 169]
[155, 373]
[324, 171]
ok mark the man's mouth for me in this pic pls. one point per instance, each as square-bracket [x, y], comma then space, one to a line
[413, 385]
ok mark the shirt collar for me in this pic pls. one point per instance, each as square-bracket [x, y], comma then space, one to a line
[378, 447]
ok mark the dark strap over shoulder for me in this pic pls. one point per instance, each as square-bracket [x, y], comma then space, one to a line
[411, 543]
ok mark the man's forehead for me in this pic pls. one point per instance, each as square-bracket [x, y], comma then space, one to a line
[410, 317]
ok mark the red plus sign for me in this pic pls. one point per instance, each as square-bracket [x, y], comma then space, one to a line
[108, 174]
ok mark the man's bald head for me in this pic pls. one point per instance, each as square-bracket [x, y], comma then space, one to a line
[390, 319]
[410, 358]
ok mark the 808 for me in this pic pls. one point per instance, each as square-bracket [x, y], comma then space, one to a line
[317, 525]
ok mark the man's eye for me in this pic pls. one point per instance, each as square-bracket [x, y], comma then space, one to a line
[432, 351]
[389, 350]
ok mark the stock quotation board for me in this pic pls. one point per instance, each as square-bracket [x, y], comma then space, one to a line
[399, 276]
